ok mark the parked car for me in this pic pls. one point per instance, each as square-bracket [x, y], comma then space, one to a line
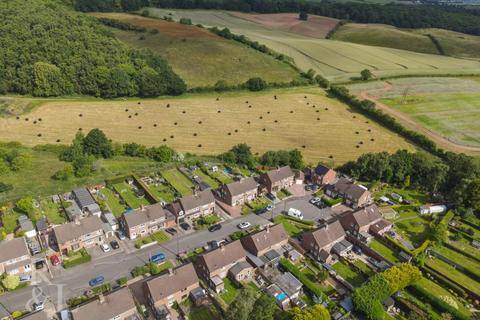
[271, 196]
[55, 260]
[38, 306]
[244, 225]
[295, 213]
[405, 201]
[269, 207]
[261, 211]
[157, 258]
[215, 227]
[185, 226]
[114, 244]
[105, 247]
[39, 264]
[217, 243]
[25, 278]
[121, 235]
[171, 231]
[320, 205]
[315, 200]
[308, 188]
[96, 281]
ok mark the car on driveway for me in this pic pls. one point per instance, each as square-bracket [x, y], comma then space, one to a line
[114, 244]
[25, 278]
[38, 306]
[55, 260]
[269, 207]
[261, 211]
[96, 281]
[121, 235]
[185, 226]
[315, 200]
[105, 247]
[244, 225]
[271, 196]
[171, 231]
[39, 264]
[215, 227]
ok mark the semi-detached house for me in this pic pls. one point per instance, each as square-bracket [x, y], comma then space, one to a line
[15, 257]
[194, 206]
[278, 179]
[239, 192]
[82, 233]
[146, 220]
[319, 243]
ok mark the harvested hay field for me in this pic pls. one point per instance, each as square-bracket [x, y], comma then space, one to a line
[314, 27]
[322, 128]
[200, 57]
[445, 109]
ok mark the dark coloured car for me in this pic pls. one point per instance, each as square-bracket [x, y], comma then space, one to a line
[271, 196]
[171, 231]
[185, 226]
[96, 281]
[215, 227]
[114, 244]
[261, 211]
[39, 265]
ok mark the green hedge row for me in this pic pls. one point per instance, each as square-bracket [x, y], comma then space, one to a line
[83, 258]
[331, 202]
[300, 221]
[445, 281]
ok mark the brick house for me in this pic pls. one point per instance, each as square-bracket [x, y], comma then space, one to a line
[320, 242]
[213, 266]
[146, 220]
[84, 233]
[15, 257]
[368, 219]
[241, 271]
[272, 238]
[356, 196]
[194, 206]
[278, 179]
[118, 305]
[322, 175]
[239, 192]
[172, 287]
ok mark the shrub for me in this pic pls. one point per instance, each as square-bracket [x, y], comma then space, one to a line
[331, 202]
[122, 281]
[256, 84]
[78, 258]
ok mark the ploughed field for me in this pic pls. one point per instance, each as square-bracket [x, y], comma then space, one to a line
[322, 128]
[336, 60]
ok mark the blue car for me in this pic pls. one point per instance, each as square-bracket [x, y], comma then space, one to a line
[157, 258]
[96, 281]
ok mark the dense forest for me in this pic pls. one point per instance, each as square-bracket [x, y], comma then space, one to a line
[48, 49]
[402, 16]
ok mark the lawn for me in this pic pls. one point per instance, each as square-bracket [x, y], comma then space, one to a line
[200, 57]
[290, 122]
[282, 194]
[221, 176]
[159, 237]
[112, 201]
[9, 220]
[204, 313]
[347, 273]
[128, 194]
[206, 178]
[231, 291]
[53, 211]
[465, 246]
[461, 259]
[417, 197]
[259, 203]
[412, 227]
[162, 192]
[206, 221]
[364, 268]
[385, 251]
[293, 228]
[450, 272]
[181, 183]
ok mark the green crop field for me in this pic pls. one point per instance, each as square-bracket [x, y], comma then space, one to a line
[337, 60]
[200, 57]
[321, 127]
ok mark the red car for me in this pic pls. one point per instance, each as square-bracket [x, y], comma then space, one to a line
[55, 260]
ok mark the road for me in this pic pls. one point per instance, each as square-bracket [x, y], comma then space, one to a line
[67, 283]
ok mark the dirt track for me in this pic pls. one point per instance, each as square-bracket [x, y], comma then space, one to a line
[441, 141]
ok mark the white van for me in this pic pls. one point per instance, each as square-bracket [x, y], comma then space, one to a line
[295, 213]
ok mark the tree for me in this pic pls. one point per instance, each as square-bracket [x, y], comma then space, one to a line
[21, 161]
[63, 174]
[303, 16]
[4, 168]
[256, 84]
[75, 150]
[242, 306]
[406, 182]
[264, 308]
[221, 85]
[25, 205]
[48, 80]
[150, 83]
[366, 74]
[83, 166]
[317, 312]
[240, 154]
[322, 82]
[10, 282]
[296, 159]
[161, 154]
[96, 143]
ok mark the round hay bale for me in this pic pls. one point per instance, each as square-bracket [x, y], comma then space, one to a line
[236, 130]
[136, 113]
[369, 130]
[249, 107]
[372, 139]
[219, 111]
[361, 142]
[199, 122]
[129, 116]
[39, 119]
[308, 103]
[304, 146]
[305, 97]
[171, 137]
[35, 122]
[80, 129]
[155, 125]
[218, 99]
[229, 133]
[26, 119]
[268, 112]
[318, 118]
[58, 140]
[18, 117]
[126, 110]
[175, 123]
[276, 121]
[356, 132]
[260, 117]
[275, 97]
[199, 145]
[164, 139]
[291, 111]
[80, 115]
[246, 102]
[39, 135]
[317, 111]
[326, 109]
[168, 105]
[184, 111]
[248, 122]
[139, 127]
[139, 102]
[194, 134]
[264, 129]
[357, 146]
[354, 117]
[330, 156]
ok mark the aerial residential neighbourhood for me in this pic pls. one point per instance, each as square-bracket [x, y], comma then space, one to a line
[239, 160]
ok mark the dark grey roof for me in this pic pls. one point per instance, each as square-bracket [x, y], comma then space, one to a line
[25, 223]
[70, 231]
[83, 197]
[342, 247]
[42, 224]
[321, 170]
[279, 174]
[345, 186]
[200, 199]
[239, 267]
[242, 186]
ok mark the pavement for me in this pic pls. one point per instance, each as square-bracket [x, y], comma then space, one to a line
[66, 283]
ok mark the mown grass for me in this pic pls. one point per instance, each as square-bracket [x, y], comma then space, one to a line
[385, 251]
[231, 291]
[461, 259]
[162, 192]
[347, 273]
[113, 202]
[293, 228]
[454, 274]
[128, 194]
[178, 181]
[206, 178]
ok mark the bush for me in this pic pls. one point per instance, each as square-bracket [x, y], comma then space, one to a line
[256, 84]
[311, 286]
[106, 287]
[122, 281]
[332, 202]
[77, 258]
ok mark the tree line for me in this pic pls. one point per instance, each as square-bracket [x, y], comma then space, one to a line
[50, 50]
[403, 16]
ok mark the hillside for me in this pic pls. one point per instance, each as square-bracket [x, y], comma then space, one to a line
[430, 40]
[49, 50]
[200, 57]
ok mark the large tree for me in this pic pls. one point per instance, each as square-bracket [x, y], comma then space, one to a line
[96, 143]
[264, 308]
[242, 306]
[317, 312]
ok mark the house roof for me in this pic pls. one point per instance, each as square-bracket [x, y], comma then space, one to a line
[165, 285]
[11, 249]
[328, 234]
[25, 223]
[267, 238]
[364, 216]
[42, 224]
[321, 170]
[279, 174]
[194, 201]
[239, 267]
[242, 186]
[113, 304]
[223, 256]
[380, 225]
[345, 186]
[83, 197]
[73, 230]
[40, 315]
[144, 215]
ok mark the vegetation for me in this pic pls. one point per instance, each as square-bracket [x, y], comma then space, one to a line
[73, 54]
[158, 237]
[242, 305]
[76, 258]
[316, 312]
[181, 183]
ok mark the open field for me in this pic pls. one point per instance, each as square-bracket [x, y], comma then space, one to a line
[322, 128]
[445, 109]
[336, 60]
[200, 57]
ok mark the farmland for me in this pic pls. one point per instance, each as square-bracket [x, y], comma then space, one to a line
[200, 57]
[445, 109]
[203, 125]
[336, 60]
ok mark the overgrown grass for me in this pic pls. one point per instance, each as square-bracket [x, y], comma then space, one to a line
[206, 178]
[450, 272]
[231, 291]
[346, 272]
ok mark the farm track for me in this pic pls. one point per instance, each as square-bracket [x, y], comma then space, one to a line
[411, 124]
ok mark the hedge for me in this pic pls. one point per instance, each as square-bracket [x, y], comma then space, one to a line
[449, 246]
[444, 281]
[331, 202]
[436, 302]
[300, 221]
[83, 258]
